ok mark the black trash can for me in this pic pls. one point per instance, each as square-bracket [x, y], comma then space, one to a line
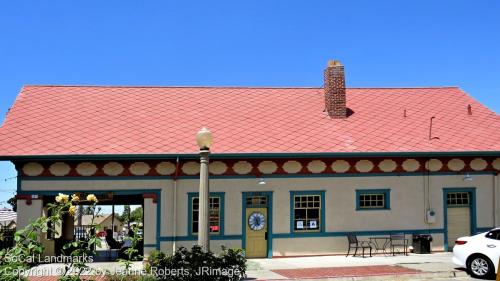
[422, 243]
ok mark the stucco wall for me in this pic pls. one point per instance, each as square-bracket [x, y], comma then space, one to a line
[150, 221]
[27, 213]
[328, 245]
[407, 201]
[408, 204]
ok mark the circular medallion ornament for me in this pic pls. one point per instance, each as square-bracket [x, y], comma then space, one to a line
[256, 221]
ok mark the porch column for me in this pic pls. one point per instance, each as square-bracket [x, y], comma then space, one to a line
[29, 208]
[150, 222]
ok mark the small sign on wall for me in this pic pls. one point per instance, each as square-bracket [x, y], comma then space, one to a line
[313, 224]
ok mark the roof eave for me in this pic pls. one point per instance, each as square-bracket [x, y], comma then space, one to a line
[247, 155]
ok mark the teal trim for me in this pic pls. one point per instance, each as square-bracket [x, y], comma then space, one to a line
[387, 198]
[97, 191]
[359, 233]
[191, 195]
[118, 192]
[344, 175]
[313, 234]
[473, 220]
[83, 178]
[195, 238]
[194, 155]
[19, 182]
[270, 235]
[321, 193]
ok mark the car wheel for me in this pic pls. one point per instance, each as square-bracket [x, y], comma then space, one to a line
[480, 267]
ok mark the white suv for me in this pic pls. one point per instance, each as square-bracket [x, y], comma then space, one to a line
[480, 253]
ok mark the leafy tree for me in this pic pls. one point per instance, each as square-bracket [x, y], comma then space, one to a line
[136, 215]
[13, 202]
[124, 215]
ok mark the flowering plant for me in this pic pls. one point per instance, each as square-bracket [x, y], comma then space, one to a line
[28, 244]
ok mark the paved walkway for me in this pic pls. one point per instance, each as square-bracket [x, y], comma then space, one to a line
[412, 267]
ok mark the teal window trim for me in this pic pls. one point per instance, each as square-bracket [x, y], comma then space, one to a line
[191, 195]
[472, 206]
[387, 198]
[321, 193]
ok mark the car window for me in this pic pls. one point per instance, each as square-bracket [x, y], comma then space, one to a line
[495, 234]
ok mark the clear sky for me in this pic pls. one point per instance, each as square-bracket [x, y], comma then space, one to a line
[254, 43]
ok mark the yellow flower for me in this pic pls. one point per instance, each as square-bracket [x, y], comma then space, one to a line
[72, 210]
[62, 198]
[92, 198]
[75, 198]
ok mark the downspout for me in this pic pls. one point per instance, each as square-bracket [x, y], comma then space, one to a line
[426, 186]
[174, 204]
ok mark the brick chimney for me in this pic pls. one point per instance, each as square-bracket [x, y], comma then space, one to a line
[335, 100]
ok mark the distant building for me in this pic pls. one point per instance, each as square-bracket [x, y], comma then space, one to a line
[104, 221]
[8, 218]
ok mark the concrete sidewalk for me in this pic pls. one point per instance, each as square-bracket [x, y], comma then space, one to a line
[435, 266]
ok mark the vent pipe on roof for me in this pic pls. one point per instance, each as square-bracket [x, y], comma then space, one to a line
[334, 87]
[469, 109]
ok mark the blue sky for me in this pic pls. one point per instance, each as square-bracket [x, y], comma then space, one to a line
[255, 43]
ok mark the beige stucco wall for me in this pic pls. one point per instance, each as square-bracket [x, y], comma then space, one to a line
[150, 214]
[27, 213]
[496, 182]
[408, 206]
[407, 201]
[329, 245]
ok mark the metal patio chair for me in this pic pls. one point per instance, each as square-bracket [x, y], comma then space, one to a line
[398, 240]
[357, 244]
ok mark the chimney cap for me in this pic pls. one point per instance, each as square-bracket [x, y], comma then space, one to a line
[332, 63]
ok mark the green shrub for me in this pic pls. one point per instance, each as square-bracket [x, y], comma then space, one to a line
[6, 272]
[194, 264]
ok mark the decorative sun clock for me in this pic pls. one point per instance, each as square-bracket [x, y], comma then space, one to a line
[256, 221]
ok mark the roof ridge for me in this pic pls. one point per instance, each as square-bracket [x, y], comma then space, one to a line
[235, 87]
[138, 86]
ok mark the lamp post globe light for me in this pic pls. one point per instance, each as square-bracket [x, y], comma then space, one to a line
[204, 140]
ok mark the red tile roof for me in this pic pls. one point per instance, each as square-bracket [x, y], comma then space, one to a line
[92, 120]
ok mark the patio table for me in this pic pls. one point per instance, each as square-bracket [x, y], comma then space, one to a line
[381, 244]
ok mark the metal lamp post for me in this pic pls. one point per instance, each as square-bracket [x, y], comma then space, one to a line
[204, 140]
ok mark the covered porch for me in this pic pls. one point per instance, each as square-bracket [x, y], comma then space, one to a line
[33, 205]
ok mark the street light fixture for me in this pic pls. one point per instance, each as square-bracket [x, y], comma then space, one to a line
[204, 138]
[204, 141]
